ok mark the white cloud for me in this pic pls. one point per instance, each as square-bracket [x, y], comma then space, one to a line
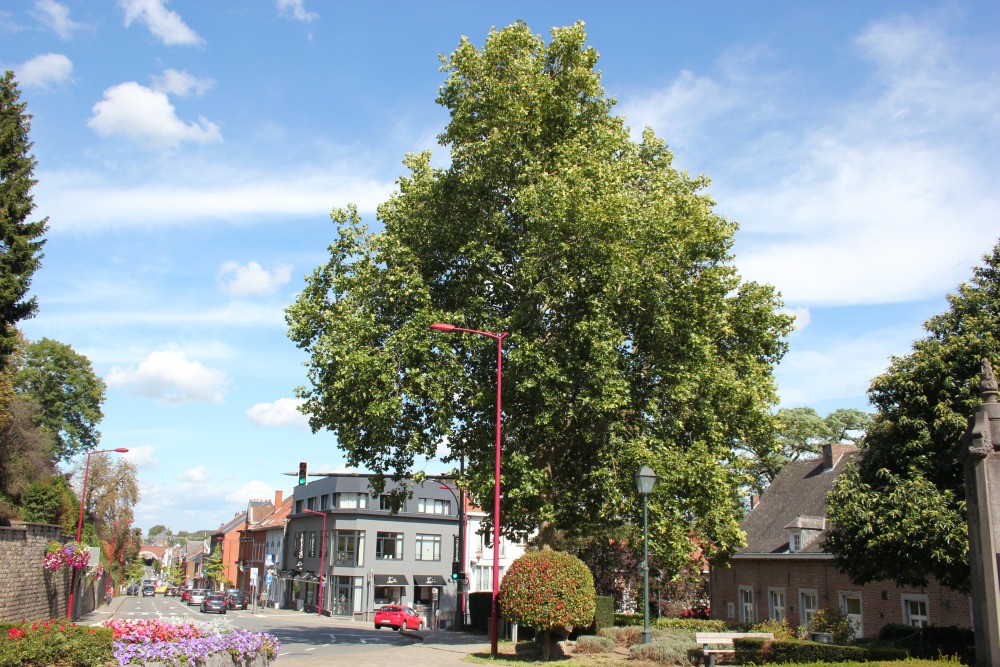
[142, 456]
[252, 279]
[147, 117]
[179, 82]
[252, 489]
[282, 412]
[197, 475]
[294, 9]
[165, 24]
[44, 71]
[170, 377]
[56, 17]
[802, 317]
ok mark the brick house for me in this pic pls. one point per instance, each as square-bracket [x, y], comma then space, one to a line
[265, 523]
[227, 538]
[784, 573]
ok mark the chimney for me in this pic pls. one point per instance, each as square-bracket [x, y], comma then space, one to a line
[754, 500]
[277, 498]
[827, 456]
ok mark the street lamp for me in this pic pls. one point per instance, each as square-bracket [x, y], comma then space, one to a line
[322, 562]
[79, 523]
[645, 478]
[495, 609]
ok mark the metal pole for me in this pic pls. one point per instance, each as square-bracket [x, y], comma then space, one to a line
[495, 621]
[647, 635]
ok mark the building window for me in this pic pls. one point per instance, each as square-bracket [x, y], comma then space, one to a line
[311, 503]
[388, 546]
[794, 541]
[324, 502]
[351, 501]
[298, 507]
[850, 604]
[776, 604]
[348, 548]
[915, 611]
[428, 547]
[385, 503]
[434, 506]
[484, 577]
[746, 605]
[808, 606]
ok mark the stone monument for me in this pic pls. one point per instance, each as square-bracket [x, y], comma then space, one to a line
[980, 457]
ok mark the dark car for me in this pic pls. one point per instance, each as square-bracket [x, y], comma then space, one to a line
[235, 599]
[149, 590]
[133, 589]
[214, 602]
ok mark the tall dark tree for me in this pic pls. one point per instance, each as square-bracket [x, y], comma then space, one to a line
[633, 339]
[900, 513]
[21, 240]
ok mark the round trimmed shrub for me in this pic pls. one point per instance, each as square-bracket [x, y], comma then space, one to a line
[548, 590]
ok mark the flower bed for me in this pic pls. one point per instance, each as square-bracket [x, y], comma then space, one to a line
[134, 642]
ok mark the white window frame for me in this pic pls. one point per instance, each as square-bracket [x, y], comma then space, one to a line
[922, 620]
[776, 604]
[747, 608]
[428, 547]
[794, 541]
[857, 620]
[806, 612]
[350, 500]
[434, 506]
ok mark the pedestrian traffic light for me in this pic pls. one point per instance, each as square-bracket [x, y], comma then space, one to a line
[303, 470]
[456, 570]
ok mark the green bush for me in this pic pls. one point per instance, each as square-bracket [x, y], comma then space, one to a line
[756, 651]
[54, 642]
[666, 650]
[605, 614]
[780, 629]
[625, 620]
[932, 641]
[834, 621]
[623, 636]
[548, 590]
[593, 644]
[691, 624]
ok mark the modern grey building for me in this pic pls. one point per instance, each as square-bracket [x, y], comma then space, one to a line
[371, 557]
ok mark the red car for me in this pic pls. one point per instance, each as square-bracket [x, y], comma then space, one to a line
[397, 618]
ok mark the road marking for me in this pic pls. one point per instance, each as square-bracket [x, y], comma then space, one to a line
[333, 639]
[311, 648]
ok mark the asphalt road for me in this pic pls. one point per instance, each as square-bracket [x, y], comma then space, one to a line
[308, 638]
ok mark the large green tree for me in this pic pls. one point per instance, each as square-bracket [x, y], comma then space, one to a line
[68, 393]
[633, 339]
[112, 492]
[21, 240]
[900, 513]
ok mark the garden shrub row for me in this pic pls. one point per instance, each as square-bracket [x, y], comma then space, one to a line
[53, 642]
[689, 624]
[757, 651]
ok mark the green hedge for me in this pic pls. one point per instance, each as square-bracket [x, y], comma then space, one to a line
[932, 641]
[664, 623]
[605, 616]
[758, 651]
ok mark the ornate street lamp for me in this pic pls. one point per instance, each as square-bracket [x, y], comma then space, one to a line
[498, 336]
[79, 523]
[322, 562]
[645, 478]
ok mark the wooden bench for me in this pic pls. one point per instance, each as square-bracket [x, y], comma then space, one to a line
[713, 643]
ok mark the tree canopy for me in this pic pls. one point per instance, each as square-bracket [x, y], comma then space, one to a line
[633, 339]
[900, 513]
[20, 240]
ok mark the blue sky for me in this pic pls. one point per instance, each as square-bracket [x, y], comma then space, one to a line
[189, 154]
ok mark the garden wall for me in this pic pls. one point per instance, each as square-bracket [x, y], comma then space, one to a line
[29, 591]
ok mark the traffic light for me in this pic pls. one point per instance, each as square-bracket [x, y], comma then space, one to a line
[456, 570]
[303, 470]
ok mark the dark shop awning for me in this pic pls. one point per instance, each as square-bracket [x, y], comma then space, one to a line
[428, 580]
[391, 580]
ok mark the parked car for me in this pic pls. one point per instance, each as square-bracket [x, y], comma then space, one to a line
[185, 593]
[172, 590]
[197, 596]
[214, 602]
[397, 618]
[235, 599]
[132, 589]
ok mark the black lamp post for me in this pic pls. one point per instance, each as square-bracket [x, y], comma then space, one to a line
[645, 478]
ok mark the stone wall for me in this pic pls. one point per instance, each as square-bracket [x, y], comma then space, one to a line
[29, 591]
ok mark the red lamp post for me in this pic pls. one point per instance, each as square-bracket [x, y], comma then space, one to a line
[499, 337]
[79, 523]
[322, 562]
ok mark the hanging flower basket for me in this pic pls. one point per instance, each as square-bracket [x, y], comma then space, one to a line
[65, 555]
[98, 572]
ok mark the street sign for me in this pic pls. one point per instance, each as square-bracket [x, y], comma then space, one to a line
[267, 579]
[434, 594]
[253, 574]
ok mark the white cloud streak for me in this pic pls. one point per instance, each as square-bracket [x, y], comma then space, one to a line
[179, 82]
[294, 9]
[282, 412]
[45, 71]
[252, 279]
[171, 378]
[166, 25]
[56, 17]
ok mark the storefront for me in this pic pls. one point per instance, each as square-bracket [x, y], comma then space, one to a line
[390, 589]
[427, 596]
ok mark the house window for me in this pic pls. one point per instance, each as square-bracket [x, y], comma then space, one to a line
[794, 541]
[348, 548]
[324, 502]
[776, 604]
[298, 507]
[915, 611]
[808, 606]
[388, 546]
[350, 501]
[484, 577]
[311, 503]
[434, 506]
[428, 547]
[746, 605]
[385, 503]
[850, 604]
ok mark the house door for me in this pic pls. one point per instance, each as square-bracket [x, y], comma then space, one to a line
[850, 604]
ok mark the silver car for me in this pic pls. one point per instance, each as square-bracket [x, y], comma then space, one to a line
[197, 596]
